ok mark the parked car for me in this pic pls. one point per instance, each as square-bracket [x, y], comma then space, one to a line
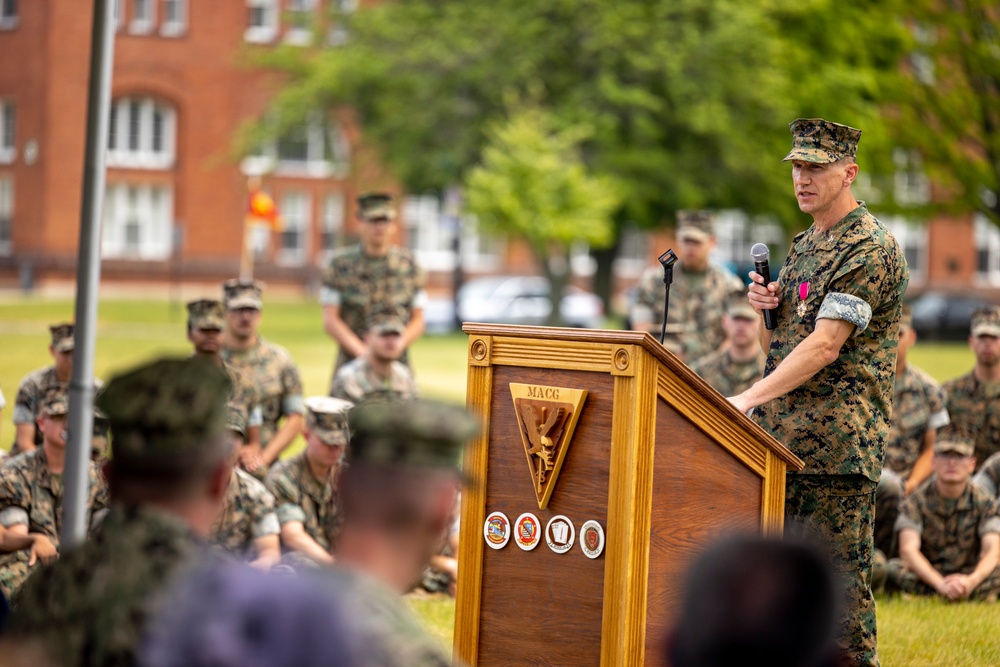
[944, 316]
[525, 300]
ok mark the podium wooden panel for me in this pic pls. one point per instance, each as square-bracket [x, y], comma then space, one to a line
[658, 458]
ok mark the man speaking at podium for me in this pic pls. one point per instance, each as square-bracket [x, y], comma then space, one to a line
[828, 383]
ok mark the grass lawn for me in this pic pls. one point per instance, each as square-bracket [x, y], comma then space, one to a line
[913, 633]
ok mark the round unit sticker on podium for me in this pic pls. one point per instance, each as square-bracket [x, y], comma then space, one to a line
[527, 531]
[560, 534]
[496, 530]
[592, 539]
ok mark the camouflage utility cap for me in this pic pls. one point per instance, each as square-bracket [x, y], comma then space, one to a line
[383, 323]
[326, 417]
[55, 401]
[62, 337]
[237, 293]
[986, 321]
[695, 226]
[162, 412]
[739, 307]
[959, 445]
[412, 433]
[906, 319]
[206, 314]
[820, 141]
[376, 206]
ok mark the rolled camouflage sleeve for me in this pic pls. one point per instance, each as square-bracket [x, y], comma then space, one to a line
[15, 499]
[25, 403]
[991, 519]
[859, 288]
[291, 382]
[937, 404]
[910, 517]
[846, 307]
[264, 520]
[330, 292]
[287, 498]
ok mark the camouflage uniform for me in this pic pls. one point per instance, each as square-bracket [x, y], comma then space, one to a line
[974, 408]
[90, 606]
[838, 420]
[30, 495]
[727, 376]
[697, 302]
[356, 381]
[248, 514]
[918, 405]
[950, 533]
[988, 477]
[270, 369]
[29, 397]
[361, 285]
[299, 496]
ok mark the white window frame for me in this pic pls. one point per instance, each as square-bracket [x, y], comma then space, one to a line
[430, 234]
[149, 207]
[736, 233]
[177, 26]
[7, 213]
[296, 215]
[8, 131]
[318, 164]
[299, 31]
[142, 25]
[267, 31]
[120, 151]
[9, 16]
[909, 233]
[331, 227]
[987, 238]
[633, 252]
[911, 187]
[119, 14]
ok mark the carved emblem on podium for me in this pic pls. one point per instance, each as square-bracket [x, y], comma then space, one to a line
[546, 418]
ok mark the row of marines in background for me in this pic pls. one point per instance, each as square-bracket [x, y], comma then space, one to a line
[937, 523]
[275, 510]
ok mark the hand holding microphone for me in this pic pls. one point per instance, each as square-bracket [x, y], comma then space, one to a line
[760, 256]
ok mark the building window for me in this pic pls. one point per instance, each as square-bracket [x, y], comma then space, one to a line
[8, 150]
[430, 234]
[295, 214]
[301, 14]
[119, 15]
[921, 60]
[633, 252]
[174, 21]
[912, 237]
[911, 186]
[736, 233]
[6, 214]
[312, 150]
[262, 21]
[138, 222]
[143, 17]
[8, 14]
[331, 226]
[141, 134]
[987, 251]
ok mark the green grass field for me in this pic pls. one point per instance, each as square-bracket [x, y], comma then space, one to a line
[912, 633]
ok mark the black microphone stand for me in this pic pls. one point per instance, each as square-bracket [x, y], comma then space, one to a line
[667, 259]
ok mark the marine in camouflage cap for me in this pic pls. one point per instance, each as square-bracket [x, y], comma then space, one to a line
[695, 226]
[55, 401]
[206, 314]
[326, 417]
[62, 337]
[740, 308]
[238, 293]
[820, 141]
[376, 206]
[986, 321]
[386, 322]
[163, 413]
[419, 433]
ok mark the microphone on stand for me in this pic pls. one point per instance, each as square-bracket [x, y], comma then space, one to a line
[667, 260]
[760, 256]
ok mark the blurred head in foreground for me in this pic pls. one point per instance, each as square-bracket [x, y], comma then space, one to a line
[233, 616]
[753, 601]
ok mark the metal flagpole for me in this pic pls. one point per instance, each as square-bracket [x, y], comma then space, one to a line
[81, 388]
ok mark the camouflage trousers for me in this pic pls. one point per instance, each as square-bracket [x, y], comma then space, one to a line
[838, 513]
[888, 496]
[14, 571]
[900, 579]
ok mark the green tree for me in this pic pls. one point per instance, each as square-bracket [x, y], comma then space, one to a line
[532, 184]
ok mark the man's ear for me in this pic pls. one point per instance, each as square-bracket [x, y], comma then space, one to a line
[850, 174]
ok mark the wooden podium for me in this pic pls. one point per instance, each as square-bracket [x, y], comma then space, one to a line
[657, 458]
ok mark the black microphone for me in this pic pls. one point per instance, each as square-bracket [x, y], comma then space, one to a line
[760, 254]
